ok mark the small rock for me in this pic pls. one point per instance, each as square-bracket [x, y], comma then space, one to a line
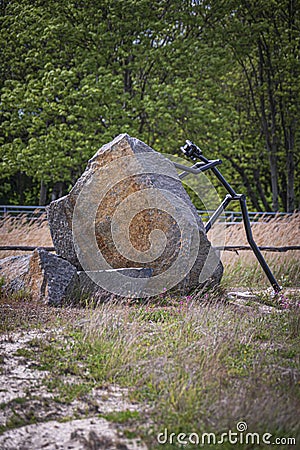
[43, 275]
[13, 269]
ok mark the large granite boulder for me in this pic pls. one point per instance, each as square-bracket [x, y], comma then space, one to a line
[46, 277]
[130, 210]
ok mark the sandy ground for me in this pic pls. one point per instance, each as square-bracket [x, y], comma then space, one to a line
[23, 394]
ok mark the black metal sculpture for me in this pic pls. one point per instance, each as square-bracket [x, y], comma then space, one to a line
[193, 152]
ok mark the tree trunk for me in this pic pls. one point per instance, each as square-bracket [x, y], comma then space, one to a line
[274, 176]
[21, 187]
[256, 173]
[43, 194]
[57, 190]
[268, 116]
[290, 180]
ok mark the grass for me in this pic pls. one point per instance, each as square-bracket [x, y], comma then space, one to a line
[17, 421]
[21, 314]
[242, 268]
[197, 364]
[67, 392]
[121, 416]
[203, 367]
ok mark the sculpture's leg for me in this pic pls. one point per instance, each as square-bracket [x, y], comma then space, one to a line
[218, 212]
[253, 245]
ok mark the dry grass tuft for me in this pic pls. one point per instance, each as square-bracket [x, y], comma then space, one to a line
[277, 232]
[21, 231]
[242, 268]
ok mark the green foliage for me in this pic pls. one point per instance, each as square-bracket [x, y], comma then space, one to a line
[74, 75]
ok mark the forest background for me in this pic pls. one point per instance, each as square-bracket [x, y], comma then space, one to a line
[222, 73]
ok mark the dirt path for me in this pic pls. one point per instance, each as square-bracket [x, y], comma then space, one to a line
[33, 419]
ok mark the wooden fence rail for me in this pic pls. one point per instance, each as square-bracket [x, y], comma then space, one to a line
[25, 248]
[230, 248]
[235, 248]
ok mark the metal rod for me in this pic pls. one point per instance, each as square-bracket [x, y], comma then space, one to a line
[218, 212]
[254, 247]
[220, 177]
[202, 168]
[197, 168]
[193, 169]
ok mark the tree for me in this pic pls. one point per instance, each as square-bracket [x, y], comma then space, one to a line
[264, 37]
[75, 74]
[78, 74]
